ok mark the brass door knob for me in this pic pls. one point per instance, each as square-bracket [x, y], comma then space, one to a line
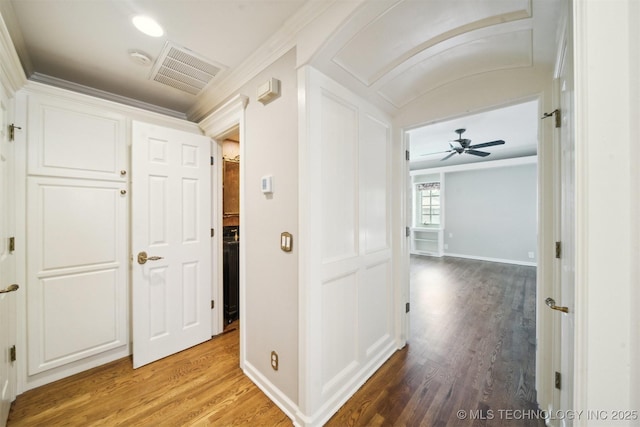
[552, 304]
[10, 288]
[143, 258]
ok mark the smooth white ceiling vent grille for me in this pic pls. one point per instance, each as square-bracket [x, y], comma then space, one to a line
[183, 69]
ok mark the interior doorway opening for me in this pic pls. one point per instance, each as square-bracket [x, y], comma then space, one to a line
[455, 206]
[231, 230]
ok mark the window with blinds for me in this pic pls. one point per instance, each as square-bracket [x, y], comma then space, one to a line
[428, 203]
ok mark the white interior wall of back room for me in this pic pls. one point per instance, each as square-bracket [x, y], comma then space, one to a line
[491, 213]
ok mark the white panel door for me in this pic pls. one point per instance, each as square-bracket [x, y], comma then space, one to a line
[171, 203]
[7, 266]
[76, 270]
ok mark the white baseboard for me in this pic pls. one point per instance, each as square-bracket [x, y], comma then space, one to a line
[288, 406]
[54, 374]
[504, 261]
[332, 406]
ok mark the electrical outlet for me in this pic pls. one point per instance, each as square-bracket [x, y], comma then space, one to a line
[531, 255]
[274, 360]
[451, 235]
[446, 246]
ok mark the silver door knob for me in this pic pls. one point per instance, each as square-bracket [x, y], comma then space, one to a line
[143, 258]
[552, 304]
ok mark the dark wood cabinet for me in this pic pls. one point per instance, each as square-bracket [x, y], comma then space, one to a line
[231, 281]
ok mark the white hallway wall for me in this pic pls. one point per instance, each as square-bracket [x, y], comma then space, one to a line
[270, 147]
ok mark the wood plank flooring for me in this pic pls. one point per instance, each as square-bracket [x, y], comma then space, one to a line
[472, 348]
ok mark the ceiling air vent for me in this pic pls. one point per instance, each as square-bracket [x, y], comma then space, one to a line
[183, 69]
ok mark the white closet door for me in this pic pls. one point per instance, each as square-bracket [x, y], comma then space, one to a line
[171, 189]
[77, 234]
[77, 261]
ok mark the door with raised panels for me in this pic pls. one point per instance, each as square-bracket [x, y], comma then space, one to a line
[76, 222]
[171, 269]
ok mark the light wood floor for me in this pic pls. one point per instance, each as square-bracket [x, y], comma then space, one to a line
[472, 348]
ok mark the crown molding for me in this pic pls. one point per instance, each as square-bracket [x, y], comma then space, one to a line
[97, 93]
[13, 76]
[273, 48]
[224, 117]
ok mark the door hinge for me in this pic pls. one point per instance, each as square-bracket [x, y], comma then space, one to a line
[12, 131]
[213, 304]
[558, 380]
[213, 232]
[407, 307]
[12, 353]
[558, 249]
[407, 231]
[407, 155]
[557, 115]
[12, 244]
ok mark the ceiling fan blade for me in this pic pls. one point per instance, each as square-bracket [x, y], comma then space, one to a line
[446, 157]
[487, 144]
[478, 153]
[437, 152]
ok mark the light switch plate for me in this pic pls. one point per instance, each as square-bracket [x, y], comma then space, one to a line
[286, 241]
[266, 184]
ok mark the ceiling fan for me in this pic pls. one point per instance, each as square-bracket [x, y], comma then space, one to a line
[463, 145]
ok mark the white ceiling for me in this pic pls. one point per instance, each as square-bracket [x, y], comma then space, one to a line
[388, 51]
[517, 125]
[88, 41]
[395, 51]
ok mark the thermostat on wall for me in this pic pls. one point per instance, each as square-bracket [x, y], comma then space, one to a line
[269, 90]
[267, 184]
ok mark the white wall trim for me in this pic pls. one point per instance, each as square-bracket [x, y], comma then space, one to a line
[130, 111]
[281, 400]
[231, 115]
[217, 126]
[500, 260]
[634, 17]
[528, 160]
[402, 217]
[580, 365]
[86, 90]
[605, 48]
[332, 406]
[12, 76]
[225, 117]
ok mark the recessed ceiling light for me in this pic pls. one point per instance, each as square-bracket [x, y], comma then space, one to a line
[148, 26]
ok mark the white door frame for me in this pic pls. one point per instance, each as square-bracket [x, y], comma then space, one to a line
[7, 258]
[545, 236]
[217, 125]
